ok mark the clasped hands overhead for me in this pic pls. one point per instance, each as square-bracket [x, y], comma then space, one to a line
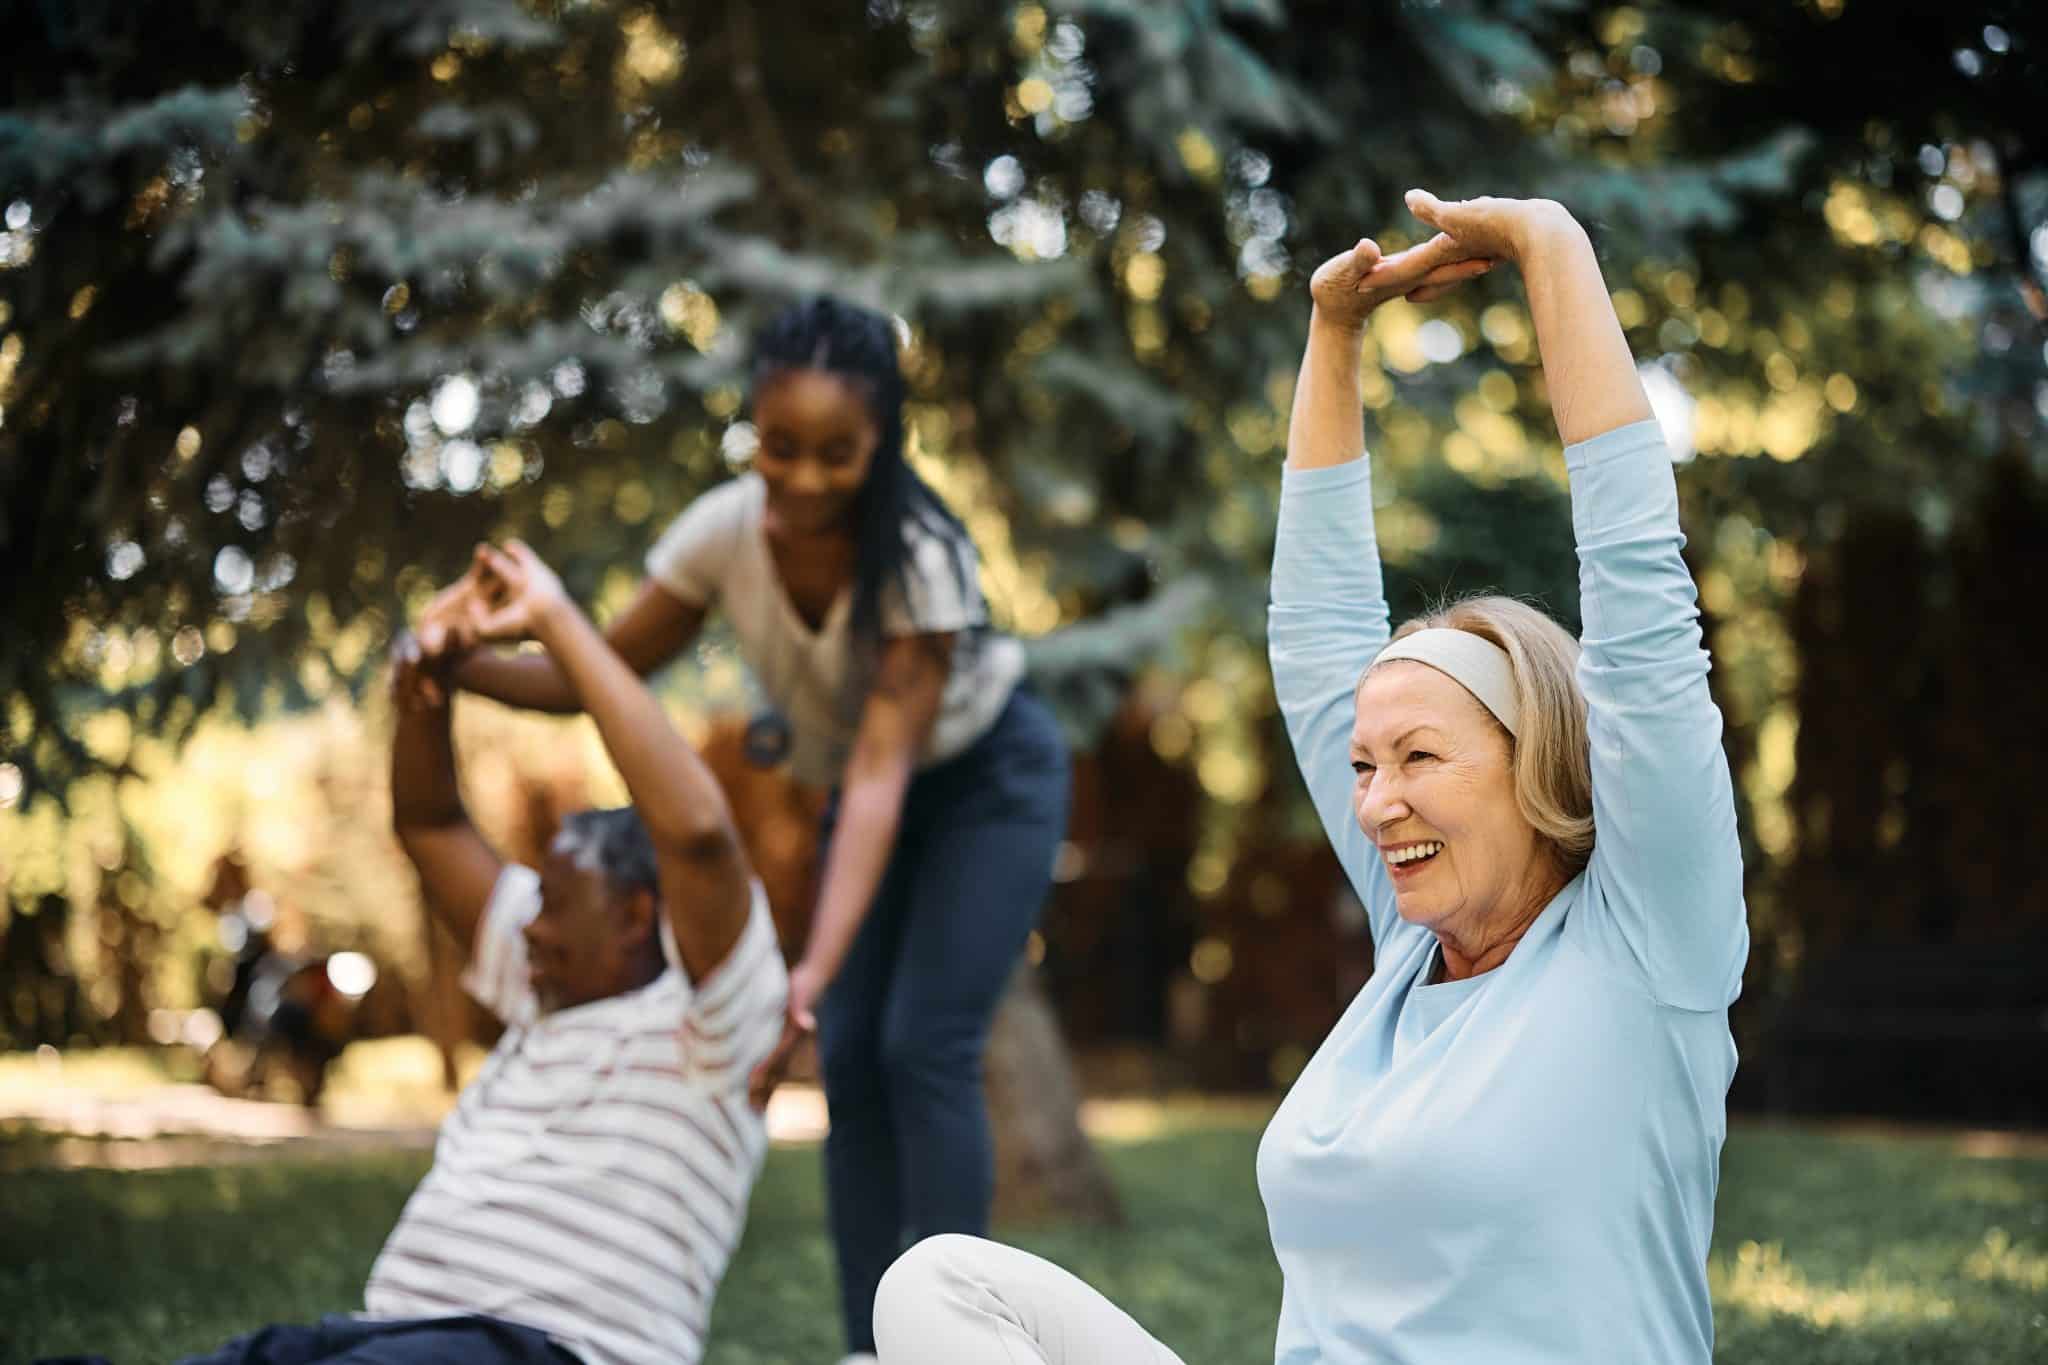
[505, 595]
[1472, 236]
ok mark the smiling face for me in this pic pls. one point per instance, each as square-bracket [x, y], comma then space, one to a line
[817, 443]
[588, 941]
[1435, 793]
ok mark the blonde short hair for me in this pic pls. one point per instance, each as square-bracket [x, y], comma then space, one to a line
[1550, 759]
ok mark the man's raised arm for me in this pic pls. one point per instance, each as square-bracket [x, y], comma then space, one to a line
[457, 868]
[706, 882]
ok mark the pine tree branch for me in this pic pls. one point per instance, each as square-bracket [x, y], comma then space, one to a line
[763, 125]
[2033, 279]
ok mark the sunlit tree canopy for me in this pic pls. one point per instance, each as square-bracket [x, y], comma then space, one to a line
[297, 302]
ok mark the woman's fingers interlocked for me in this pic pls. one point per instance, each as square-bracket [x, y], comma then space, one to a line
[1350, 285]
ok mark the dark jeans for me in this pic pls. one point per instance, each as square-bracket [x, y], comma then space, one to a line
[901, 1029]
[338, 1340]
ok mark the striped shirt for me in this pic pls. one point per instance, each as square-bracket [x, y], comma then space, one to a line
[593, 1179]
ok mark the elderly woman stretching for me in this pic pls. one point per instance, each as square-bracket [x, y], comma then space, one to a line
[1506, 1152]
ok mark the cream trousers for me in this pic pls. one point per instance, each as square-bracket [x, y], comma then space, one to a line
[956, 1300]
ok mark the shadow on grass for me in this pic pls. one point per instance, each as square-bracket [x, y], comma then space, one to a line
[1829, 1250]
[1838, 1250]
[145, 1266]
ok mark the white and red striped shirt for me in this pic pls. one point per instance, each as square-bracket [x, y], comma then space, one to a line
[593, 1180]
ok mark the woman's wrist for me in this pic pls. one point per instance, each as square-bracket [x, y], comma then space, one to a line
[1348, 330]
[813, 965]
[1545, 230]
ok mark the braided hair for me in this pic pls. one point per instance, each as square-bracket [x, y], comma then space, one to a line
[858, 346]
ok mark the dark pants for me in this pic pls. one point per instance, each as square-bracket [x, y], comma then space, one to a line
[901, 1029]
[338, 1340]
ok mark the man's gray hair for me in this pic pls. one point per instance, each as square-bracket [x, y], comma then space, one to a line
[614, 844]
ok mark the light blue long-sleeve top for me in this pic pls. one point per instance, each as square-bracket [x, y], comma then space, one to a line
[1519, 1167]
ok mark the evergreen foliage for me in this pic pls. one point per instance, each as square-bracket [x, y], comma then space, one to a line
[298, 302]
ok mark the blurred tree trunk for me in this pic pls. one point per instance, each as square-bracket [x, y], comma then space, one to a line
[1865, 625]
[1045, 1167]
[442, 1009]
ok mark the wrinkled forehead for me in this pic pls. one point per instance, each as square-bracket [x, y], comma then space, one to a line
[1406, 694]
[571, 870]
[577, 849]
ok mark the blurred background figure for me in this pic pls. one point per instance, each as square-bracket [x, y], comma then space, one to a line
[285, 1016]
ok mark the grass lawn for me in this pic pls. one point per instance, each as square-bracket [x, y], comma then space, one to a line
[1828, 1249]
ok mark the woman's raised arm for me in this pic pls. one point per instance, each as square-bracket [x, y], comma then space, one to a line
[1587, 368]
[654, 628]
[1327, 613]
[1667, 865]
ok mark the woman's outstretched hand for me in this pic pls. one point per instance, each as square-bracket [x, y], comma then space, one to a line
[1347, 287]
[799, 1023]
[516, 593]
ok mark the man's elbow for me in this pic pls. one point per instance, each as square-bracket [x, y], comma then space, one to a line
[698, 835]
[414, 824]
[411, 842]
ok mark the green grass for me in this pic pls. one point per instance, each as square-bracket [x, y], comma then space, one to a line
[1829, 1250]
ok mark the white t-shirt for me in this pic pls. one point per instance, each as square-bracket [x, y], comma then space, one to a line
[593, 1179]
[716, 553]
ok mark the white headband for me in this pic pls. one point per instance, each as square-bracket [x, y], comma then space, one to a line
[1476, 664]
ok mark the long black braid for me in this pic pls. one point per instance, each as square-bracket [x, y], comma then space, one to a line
[858, 345]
